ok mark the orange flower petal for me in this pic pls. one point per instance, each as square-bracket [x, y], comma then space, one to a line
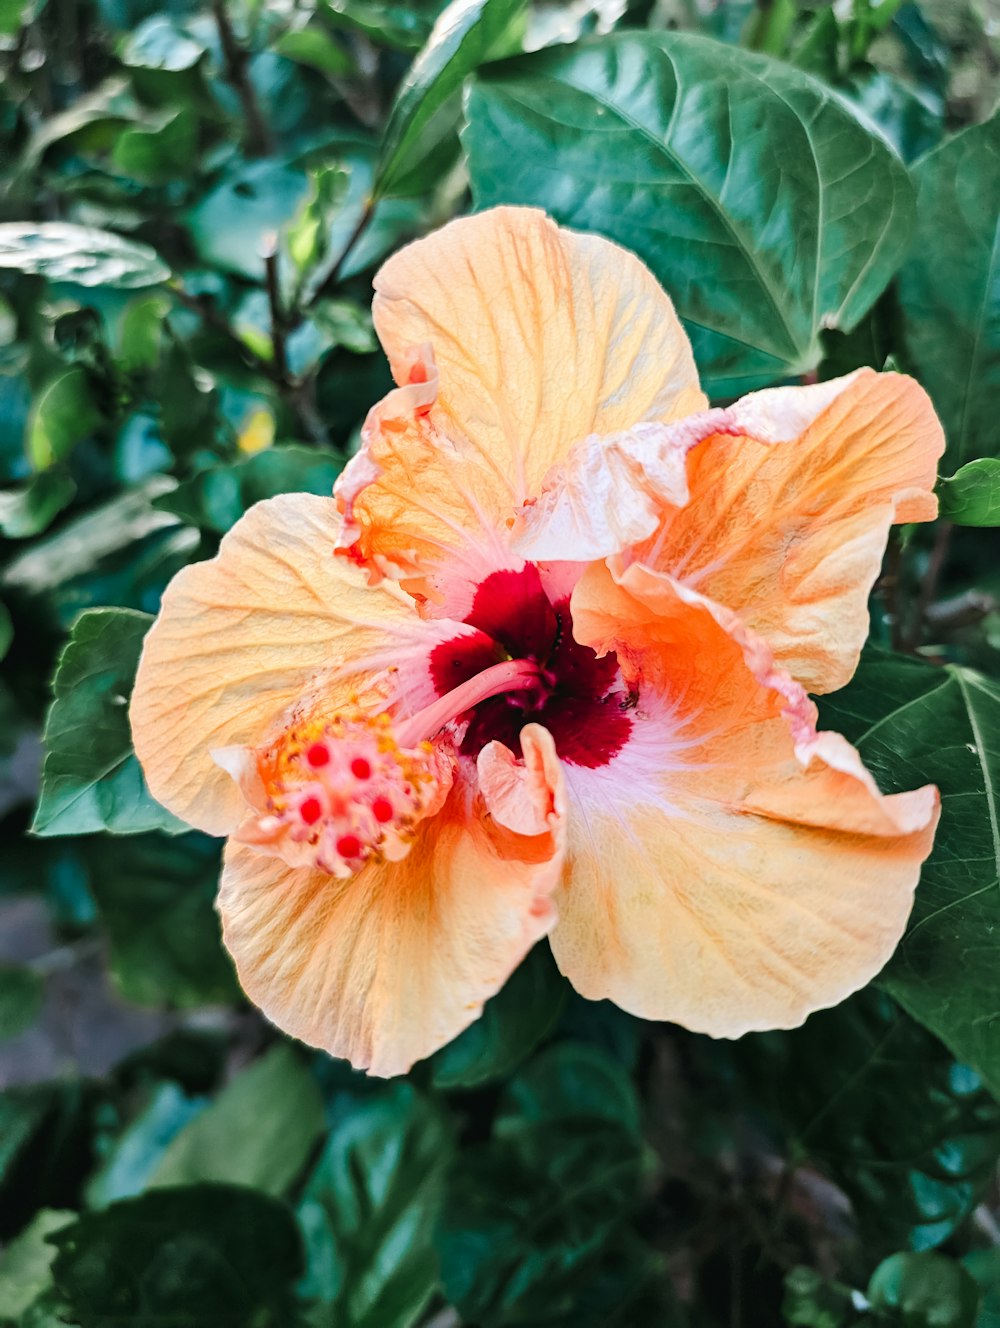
[759, 875]
[540, 336]
[388, 966]
[245, 636]
[791, 535]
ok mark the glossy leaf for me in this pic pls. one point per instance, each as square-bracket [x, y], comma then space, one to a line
[913, 723]
[127, 1168]
[466, 35]
[258, 1132]
[155, 897]
[197, 1256]
[666, 143]
[950, 289]
[91, 779]
[64, 413]
[62, 251]
[368, 1212]
[29, 511]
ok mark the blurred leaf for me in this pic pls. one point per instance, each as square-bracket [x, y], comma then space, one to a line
[811, 1301]
[765, 209]
[188, 404]
[911, 118]
[511, 1026]
[259, 1131]
[387, 22]
[466, 35]
[161, 43]
[912, 723]
[368, 1212]
[155, 897]
[29, 511]
[21, 991]
[141, 332]
[159, 152]
[971, 497]
[63, 414]
[199, 1256]
[229, 224]
[6, 629]
[949, 289]
[61, 251]
[216, 498]
[137, 1150]
[924, 1291]
[25, 1263]
[91, 779]
[16, 13]
[316, 48]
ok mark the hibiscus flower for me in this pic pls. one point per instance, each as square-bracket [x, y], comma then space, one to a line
[540, 668]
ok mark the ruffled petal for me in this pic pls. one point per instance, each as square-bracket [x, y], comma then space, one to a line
[791, 534]
[538, 336]
[272, 622]
[752, 873]
[385, 968]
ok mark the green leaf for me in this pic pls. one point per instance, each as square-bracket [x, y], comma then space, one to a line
[199, 1256]
[21, 991]
[160, 43]
[29, 511]
[811, 1301]
[915, 723]
[402, 26]
[25, 1263]
[6, 629]
[570, 1080]
[126, 1170]
[155, 897]
[62, 251]
[924, 1291]
[216, 498]
[368, 1212]
[766, 210]
[140, 333]
[313, 47]
[91, 779]
[511, 1026]
[467, 34]
[949, 289]
[259, 1131]
[159, 152]
[971, 497]
[63, 415]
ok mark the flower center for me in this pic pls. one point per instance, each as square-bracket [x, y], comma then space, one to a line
[577, 696]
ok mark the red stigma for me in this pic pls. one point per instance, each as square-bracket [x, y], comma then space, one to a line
[310, 810]
[382, 810]
[318, 754]
[349, 846]
[418, 374]
[360, 768]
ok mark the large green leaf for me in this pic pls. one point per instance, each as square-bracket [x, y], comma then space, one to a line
[137, 1151]
[258, 1132]
[62, 251]
[155, 897]
[915, 723]
[368, 1212]
[467, 33]
[767, 211]
[25, 1263]
[198, 1256]
[91, 779]
[950, 288]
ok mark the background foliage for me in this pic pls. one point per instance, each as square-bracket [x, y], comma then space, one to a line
[192, 201]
